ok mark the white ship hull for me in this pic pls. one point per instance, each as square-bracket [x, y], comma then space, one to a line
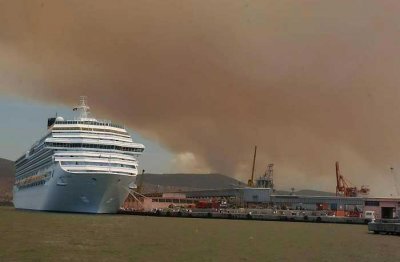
[76, 192]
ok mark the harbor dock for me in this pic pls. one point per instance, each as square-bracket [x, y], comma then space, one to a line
[296, 217]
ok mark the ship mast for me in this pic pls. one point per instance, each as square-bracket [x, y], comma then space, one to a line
[83, 108]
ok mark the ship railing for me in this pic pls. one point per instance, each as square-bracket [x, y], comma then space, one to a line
[97, 123]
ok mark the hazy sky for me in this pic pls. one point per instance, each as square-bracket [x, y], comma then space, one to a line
[309, 82]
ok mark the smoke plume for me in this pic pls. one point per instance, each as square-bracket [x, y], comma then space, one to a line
[309, 82]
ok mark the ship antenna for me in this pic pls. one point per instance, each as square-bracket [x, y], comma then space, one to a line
[83, 108]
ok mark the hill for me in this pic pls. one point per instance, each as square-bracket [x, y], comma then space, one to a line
[184, 182]
[305, 192]
[7, 171]
[187, 182]
[314, 193]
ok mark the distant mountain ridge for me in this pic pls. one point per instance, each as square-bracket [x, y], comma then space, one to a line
[7, 176]
[184, 182]
[305, 192]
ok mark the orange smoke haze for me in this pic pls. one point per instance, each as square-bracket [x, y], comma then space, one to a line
[309, 82]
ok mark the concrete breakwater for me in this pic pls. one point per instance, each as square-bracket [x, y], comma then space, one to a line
[250, 216]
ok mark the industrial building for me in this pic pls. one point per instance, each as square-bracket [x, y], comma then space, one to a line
[264, 198]
[349, 201]
[158, 201]
[242, 195]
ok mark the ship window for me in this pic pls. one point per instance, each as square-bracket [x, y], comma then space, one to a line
[74, 145]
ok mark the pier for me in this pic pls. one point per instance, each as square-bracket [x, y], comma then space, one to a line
[249, 216]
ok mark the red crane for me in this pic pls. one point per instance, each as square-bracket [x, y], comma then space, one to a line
[343, 187]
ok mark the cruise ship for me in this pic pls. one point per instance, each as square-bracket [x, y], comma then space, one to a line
[81, 165]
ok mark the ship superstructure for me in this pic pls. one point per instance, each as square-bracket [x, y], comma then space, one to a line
[80, 165]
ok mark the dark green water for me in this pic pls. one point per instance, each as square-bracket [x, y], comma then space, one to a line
[42, 236]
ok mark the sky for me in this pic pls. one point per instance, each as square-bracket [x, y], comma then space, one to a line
[309, 82]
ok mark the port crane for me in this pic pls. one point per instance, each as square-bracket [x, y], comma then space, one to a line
[267, 180]
[344, 187]
[250, 182]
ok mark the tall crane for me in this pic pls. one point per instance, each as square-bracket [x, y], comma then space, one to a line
[344, 188]
[250, 182]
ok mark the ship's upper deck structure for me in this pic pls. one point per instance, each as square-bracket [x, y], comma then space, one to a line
[82, 145]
